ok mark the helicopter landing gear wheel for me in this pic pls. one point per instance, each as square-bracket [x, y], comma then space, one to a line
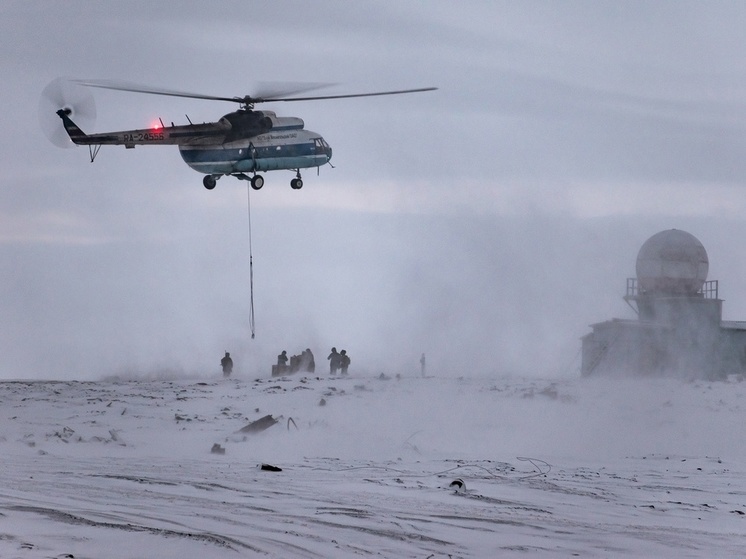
[209, 182]
[257, 181]
[297, 182]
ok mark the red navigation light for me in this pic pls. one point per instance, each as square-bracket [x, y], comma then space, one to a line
[157, 125]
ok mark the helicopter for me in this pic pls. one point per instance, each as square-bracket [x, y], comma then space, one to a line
[241, 144]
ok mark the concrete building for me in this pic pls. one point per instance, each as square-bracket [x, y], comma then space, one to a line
[679, 329]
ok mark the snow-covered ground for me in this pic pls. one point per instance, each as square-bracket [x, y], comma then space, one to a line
[552, 468]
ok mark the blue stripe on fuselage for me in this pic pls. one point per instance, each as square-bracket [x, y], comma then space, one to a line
[192, 154]
[219, 160]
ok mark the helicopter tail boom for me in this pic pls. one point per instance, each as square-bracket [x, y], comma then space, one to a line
[191, 134]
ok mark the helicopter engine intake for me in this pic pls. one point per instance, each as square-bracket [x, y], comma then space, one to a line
[283, 122]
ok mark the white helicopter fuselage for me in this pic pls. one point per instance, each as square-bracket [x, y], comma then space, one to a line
[287, 145]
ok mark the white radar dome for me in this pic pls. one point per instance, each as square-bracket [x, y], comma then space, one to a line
[672, 262]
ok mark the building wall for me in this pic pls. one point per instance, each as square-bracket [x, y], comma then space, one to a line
[686, 339]
[628, 348]
[733, 351]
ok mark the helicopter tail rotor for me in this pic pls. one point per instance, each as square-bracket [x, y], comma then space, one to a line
[75, 100]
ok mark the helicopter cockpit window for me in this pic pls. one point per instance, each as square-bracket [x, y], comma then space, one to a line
[320, 145]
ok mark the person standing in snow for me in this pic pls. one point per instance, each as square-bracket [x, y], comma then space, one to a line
[227, 364]
[344, 362]
[422, 364]
[307, 362]
[334, 360]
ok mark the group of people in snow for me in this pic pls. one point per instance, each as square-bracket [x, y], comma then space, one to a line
[303, 363]
[338, 362]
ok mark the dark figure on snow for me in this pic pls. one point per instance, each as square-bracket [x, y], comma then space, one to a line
[282, 359]
[334, 361]
[344, 361]
[227, 364]
[295, 363]
[307, 362]
[422, 364]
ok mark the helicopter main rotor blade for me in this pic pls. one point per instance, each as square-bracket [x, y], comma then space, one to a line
[346, 96]
[270, 90]
[136, 88]
[267, 90]
[246, 100]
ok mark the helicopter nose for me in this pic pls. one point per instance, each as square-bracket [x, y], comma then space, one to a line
[321, 147]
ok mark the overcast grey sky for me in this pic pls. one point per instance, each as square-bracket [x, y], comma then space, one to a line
[485, 224]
